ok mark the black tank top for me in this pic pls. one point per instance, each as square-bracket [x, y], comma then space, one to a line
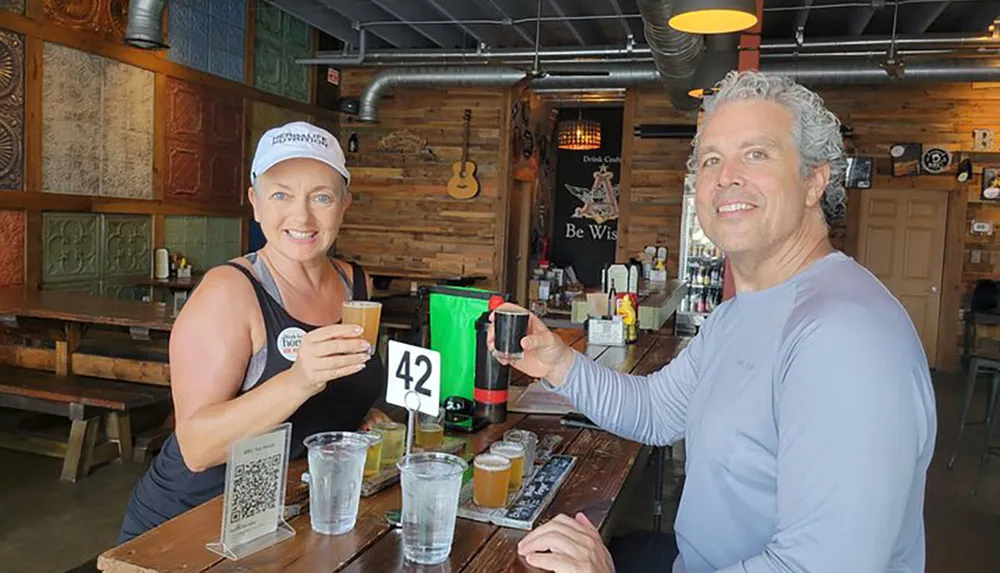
[169, 488]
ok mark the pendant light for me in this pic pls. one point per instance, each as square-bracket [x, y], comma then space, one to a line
[579, 134]
[713, 16]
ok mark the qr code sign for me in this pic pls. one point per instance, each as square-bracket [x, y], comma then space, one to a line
[255, 488]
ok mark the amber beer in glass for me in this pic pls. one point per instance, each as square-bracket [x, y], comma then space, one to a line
[365, 314]
[374, 459]
[514, 452]
[429, 432]
[490, 479]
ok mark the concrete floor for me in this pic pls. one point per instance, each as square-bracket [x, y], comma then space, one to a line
[47, 526]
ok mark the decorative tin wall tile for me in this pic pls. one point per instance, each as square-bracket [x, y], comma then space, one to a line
[11, 110]
[205, 241]
[15, 6]
[109, 18]
[209, 36]
[281, 38]
[204, 144]
[126, 245]
[223, 240]
[97, 126]
[124, 290]
[70, 247]
[264, 116]
[88, 287]
[11, 248]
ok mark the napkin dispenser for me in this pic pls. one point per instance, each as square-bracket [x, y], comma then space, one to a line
[606, 330]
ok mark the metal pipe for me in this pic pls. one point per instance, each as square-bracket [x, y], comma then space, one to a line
[385, 80]
[675, 54]
[943, 41]
[811, 73]
[145, 25]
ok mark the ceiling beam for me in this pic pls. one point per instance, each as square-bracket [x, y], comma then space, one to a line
[454, 12]
[860, 19]
[554, 4]
[802, 16]
[920, 17]
[412, 14]
[364, 12]
[624, 21]
[320, 18]
[491, 5]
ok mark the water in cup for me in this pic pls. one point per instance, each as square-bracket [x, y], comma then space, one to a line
[373, 460]
[393, 441]
[509, 327]
[490, 480]
[514, 452]
[336, 466]
[530, 442]
[365, 314]
[431, 485]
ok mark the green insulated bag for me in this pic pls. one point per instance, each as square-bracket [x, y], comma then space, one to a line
[453, 315]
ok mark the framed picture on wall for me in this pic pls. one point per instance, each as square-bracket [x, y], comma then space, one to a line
[991, 184]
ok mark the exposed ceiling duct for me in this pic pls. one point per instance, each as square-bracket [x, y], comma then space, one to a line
[675, 54]
[145, 24]
[811, 73]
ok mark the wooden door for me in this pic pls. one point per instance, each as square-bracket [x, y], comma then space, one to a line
[901, 240]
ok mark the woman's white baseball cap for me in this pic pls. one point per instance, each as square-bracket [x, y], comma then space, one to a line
[297, 140]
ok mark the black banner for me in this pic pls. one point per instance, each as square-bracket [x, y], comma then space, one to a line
[585, 214]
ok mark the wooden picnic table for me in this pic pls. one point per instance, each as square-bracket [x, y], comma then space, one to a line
[65, 318]
[605, 466]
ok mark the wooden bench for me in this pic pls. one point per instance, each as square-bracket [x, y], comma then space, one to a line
[85, 401]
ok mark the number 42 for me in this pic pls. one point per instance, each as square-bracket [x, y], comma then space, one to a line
[403, 373]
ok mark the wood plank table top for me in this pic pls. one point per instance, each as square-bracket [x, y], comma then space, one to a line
[75, 307]
[604, 465]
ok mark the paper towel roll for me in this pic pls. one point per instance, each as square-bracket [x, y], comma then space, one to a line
[161, 263]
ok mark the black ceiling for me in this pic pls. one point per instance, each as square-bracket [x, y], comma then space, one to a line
[469, 22]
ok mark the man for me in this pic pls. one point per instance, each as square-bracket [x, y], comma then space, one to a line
[805, 402]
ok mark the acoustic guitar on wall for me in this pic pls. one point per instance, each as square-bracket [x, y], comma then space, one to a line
[463, 184]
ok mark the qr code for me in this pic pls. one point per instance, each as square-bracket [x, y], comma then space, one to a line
[255, 488]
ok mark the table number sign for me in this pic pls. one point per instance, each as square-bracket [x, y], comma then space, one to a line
[414, 376]
[254, 497]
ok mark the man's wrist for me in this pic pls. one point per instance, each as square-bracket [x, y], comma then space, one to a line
[558, 374]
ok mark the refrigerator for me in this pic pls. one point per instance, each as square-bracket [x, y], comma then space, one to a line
[700, 266]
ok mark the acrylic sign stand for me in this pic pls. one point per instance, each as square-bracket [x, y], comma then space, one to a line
[254, 497]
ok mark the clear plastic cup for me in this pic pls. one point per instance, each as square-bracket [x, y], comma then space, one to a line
[393, 441]
[431, 485]
[530, 442]
[336, 467]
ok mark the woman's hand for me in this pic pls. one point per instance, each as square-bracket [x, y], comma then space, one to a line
[374, 416]
[546, 355]
[328, 353]
[567, 545]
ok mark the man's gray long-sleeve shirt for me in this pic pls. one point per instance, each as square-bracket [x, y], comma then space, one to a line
[809, 421]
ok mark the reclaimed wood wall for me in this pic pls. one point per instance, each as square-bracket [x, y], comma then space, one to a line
[652, 183]
[401, 216]
[108, 152]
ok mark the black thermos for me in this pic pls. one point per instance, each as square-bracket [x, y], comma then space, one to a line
[492, 378]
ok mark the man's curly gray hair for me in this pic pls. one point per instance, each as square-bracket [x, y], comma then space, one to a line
[816, 131]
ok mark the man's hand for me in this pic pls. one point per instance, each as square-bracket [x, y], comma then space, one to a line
[573, 546]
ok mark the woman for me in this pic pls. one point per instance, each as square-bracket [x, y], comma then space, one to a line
[235, 371]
